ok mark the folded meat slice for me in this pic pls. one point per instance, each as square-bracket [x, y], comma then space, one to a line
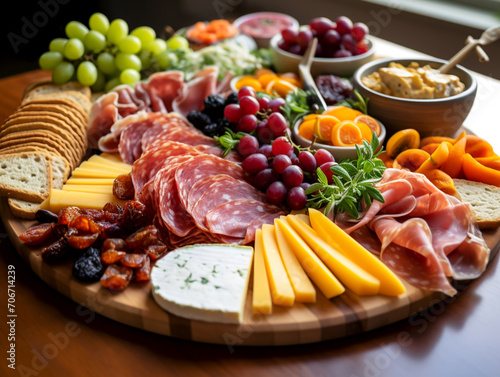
[424, 235]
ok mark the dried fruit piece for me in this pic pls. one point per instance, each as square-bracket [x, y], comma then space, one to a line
[134, 260]
[134, 215]
[116, 277]
[411, 159]
[82, 232]
[144, 272]
[112, 256]
[88, 266]
[155, 252]
[66, 215]
[55, 251]
[45, 216]
[123, 187]
[37, 235]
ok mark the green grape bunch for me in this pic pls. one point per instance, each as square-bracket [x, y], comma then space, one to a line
[105, 54]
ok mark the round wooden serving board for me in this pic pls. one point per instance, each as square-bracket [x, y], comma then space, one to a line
[342, 316]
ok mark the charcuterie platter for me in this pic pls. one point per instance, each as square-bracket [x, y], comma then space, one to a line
[182, 203]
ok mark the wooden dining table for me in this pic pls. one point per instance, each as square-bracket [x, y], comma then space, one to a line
[55, 336]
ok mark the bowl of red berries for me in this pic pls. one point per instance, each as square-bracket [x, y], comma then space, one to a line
[343, 46]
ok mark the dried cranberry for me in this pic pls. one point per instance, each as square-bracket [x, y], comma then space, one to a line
[123, 187]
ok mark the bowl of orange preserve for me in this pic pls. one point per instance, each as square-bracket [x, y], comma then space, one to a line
[338, 130]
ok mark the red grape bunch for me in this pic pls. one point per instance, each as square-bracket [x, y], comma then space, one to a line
[338, 39]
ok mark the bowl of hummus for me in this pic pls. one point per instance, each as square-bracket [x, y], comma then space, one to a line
[412, 93]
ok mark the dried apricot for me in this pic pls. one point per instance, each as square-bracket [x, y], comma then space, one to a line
[436, 159]
[442, 181]
[475, 171]
[37, 235]
[117, 277]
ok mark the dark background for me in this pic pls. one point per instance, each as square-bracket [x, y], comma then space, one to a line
[437, 38]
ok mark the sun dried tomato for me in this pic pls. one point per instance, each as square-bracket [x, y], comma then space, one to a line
[144, 272]
[134, 260]
[155, 252]
[134, 215]
[37, 235]
[66, 215]
[45, 216]
[123, 187]
[112, 256]
[116, 277]
[55, 251]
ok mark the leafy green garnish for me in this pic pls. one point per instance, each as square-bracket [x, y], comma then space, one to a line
[229, 140]
[297, 106]
[360, 103]
[353, 184]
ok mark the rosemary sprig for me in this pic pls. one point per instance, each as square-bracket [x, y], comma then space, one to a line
[353, 182]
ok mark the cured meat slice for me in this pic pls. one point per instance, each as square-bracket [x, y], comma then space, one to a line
[257, 223]
[129, 147]
[151, 162]
[185, 136]
[172, 214]
[152, 132]
[220, 192]
[199, 188]
[203, 166]
[192, 95]
[163, 88]
[233, 218]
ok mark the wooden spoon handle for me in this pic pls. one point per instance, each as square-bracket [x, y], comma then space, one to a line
[481, 54]
[459, 56]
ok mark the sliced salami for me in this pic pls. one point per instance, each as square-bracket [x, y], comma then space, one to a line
[186, 136]
[257, 223]
[222, 191]
[170, 209]
[146, 167]
[153, 132]
[199, 189]
[233, 218]
[200, 167]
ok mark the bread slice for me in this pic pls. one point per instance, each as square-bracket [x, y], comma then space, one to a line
[25, 176]
[45, 87]
[23, 209]
[484, 200]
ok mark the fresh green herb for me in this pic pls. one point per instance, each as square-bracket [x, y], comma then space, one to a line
[297, 106]
[204, 280]
[359, 103]
[189, 280]
[229, 140]
[353, 186]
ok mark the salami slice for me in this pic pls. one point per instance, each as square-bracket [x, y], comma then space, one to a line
[257, 223]
[199, 189]
[130, 146]
[222, 191]
[200, 167]
[233, 218]
[186, 136]
[153, 132]
[146, 167]
[171, 211]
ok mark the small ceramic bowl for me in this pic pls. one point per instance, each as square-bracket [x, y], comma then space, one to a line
[262, 26]
[338, 153]
[285, 61]
[430, 117]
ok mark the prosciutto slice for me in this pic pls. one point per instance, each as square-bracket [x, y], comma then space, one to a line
[424, 235]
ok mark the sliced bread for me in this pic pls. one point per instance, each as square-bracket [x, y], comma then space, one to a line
[23, 209]
[484, 200]
[25, 176]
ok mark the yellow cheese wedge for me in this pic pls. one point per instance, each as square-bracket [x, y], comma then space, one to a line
[312, 265]
[90, 181]
[302, 286]
[350, 274]
[390, 284]
[92, 173]
[98, 167]
[112, 157]
[261, 298]
[99, 189]
[60, 199]
[304, 218]
[281, 289]
[98, 159]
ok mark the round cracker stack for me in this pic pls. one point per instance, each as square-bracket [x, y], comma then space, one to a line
[51, 120]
